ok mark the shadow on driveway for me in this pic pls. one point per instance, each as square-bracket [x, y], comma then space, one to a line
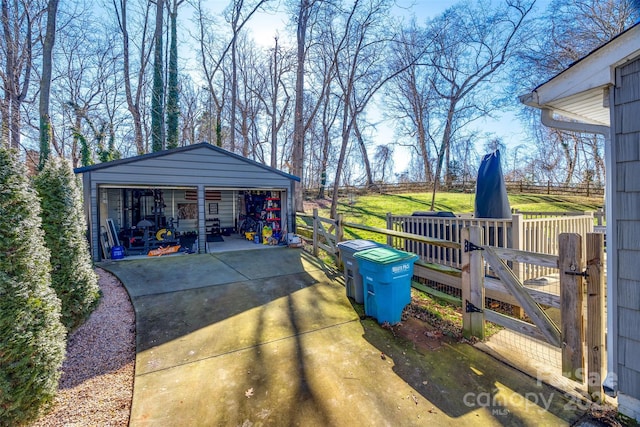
[269, 337]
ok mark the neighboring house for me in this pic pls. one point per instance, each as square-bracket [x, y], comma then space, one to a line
[201, 185]
[601, 94]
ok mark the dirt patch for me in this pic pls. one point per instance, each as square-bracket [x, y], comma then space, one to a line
[421, 334]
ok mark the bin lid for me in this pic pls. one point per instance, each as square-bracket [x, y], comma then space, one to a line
[439, 214]
[382, 255]
[357, 245]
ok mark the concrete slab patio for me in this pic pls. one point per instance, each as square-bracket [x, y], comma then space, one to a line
[268, 337]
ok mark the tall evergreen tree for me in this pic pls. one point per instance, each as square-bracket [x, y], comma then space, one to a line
[32, 339]
[157, 93]
[63, 221]
[173, 108]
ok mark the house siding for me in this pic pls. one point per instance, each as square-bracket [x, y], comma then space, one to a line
[628, 147]
[629, 294]
[626, 224]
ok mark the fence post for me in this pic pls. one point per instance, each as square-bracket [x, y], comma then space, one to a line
[315, 232]
[472, 283]
[517, 242]
[600, 216]
[571, 266]
[596, 356]
[389, 227]
[339, 229]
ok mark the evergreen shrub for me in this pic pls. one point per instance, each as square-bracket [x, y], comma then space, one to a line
[64, 225]
[32, 338]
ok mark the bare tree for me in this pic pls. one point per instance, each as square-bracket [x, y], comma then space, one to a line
[409, 96]
[16, 46]
[249, 101]
[328, 116]
[305, 11]
[45, 82]
[134, 95]
[211, 62]
[189, 112]
[383, 161]
[568, 31]
[87, 91]
[280, 64]
[238, 15]
[360, 50]
[473, 44]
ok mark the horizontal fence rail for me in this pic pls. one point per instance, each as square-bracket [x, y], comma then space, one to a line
[585, 189]
[523, 232]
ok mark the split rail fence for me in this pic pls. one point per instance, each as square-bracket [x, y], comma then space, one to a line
[588, 189]
[462, 259]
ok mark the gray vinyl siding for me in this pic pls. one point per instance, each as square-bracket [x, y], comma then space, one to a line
[627, 225]
[629, 294]
[199, 167]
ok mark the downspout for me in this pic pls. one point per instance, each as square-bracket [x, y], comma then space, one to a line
[610, 383]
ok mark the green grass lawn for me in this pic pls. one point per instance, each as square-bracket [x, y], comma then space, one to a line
[372, 209]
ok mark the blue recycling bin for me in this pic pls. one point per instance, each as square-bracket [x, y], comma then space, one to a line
[386, 276]
[117, 252]
[352, 277]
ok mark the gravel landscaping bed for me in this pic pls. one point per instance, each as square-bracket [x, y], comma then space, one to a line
[97, 380]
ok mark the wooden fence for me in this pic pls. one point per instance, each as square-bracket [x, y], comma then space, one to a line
[523, 231]
[471, 279]
[513, 187]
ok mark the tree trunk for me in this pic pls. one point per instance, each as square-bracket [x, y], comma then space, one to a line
[297, 154]
[18, 45]
[365, 156]
[45, 83]
[234, 86]
[274, 106]
[424, 153]
[446, 137]
[346, 131]
[132, 105]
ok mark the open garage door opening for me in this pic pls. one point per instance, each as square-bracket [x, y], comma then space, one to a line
[161, 220]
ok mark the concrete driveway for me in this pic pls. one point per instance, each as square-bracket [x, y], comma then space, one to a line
[268, 337]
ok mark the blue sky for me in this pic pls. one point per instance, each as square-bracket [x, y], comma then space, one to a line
[505, 125]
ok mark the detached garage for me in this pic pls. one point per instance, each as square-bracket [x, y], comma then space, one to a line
[190, 196]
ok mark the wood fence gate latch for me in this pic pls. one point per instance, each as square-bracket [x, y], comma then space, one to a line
[470, 308]
[574, 272]
[468, 247]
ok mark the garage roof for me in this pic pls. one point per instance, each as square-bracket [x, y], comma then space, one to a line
[581, 91]
[187, 148]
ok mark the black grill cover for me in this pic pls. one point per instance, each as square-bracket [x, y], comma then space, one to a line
[491, 191]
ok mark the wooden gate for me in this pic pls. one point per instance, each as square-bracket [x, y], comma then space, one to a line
[573, 270]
